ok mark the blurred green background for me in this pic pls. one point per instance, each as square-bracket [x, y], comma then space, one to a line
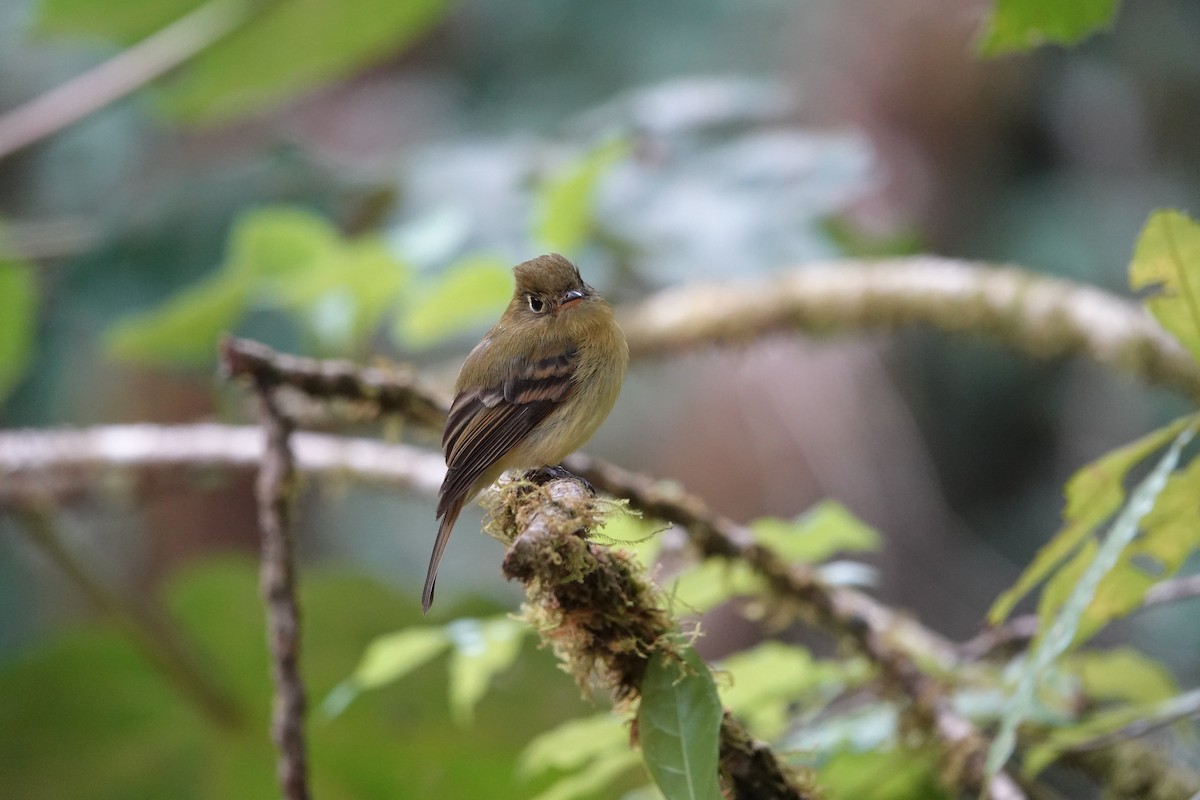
[355, 178]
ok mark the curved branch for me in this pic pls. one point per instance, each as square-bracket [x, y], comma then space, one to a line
[1040, 316]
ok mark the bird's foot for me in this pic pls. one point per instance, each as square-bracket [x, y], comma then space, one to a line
[543, 475]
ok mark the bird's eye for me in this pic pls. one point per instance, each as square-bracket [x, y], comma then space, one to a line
[536, 305]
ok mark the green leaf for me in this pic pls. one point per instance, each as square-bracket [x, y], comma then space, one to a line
[1167, 259]
[18, 303]
[679, 720]
[186, 328]
[123, 21]
[1093, 494]
[1119, 593]
[1122, 674]
[1057, 639]
[592, 780]
[706, 585]
[1099, 726]
[1171, 532]
[342, 299]
[892, 774]
[471, 293]
[289, 47]
[827, 529]
[1018, 25]
[388, 658]
[280, 243]
[482, 650]
[766, 679]
[575, 743]
[565, 202]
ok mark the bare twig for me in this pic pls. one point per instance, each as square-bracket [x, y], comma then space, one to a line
[602, 616]
[383, 392]
[158, 642]
[1017, 632]
[276, 483]
[124, 73]
[1040, 316]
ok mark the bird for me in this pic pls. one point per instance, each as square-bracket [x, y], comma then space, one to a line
[534, 390]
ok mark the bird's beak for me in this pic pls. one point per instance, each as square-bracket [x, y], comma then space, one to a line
[570, 298]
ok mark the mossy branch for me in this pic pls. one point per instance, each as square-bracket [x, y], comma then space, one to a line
[1036, 315]
[604, 618]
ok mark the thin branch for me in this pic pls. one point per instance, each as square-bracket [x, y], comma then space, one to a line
[847, 614]
[157, 641]
[381, 391]
[603, 617]
[1040, 316]
[276, 485]
[1016, 633]
[124, 73]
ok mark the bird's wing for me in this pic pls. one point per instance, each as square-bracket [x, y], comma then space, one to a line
[484, 424]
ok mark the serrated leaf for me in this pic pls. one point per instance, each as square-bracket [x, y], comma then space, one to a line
[288, 47]
[482, 649]
[565, 202]
[471, 293]
[1057, 639]
[574, 743]
[1017, 25]
[185, 329]
[827, 529]
[18, 303]
[679, 721]
[1093, 494]
[1167, 259]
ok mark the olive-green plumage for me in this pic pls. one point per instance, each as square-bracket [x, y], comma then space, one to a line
[534, 390]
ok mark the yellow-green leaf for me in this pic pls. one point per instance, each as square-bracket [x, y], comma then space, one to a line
[1122, 674]
[1094, 493]
[18, 302]
[827, 529]
[1167, 260]
[1016, 25]
[279, 243]
[185, 329]
[565, 202]
[471, 293]
[574, 743]
[765, 680]
[482, 650]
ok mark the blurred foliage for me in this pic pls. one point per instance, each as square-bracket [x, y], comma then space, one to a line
[256, 66]
[88, 699]
[18, 309]
[1017, 25]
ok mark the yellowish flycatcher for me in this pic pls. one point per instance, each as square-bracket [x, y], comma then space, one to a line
[534, 390]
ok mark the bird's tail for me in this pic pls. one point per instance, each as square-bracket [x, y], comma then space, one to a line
[439, 547]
